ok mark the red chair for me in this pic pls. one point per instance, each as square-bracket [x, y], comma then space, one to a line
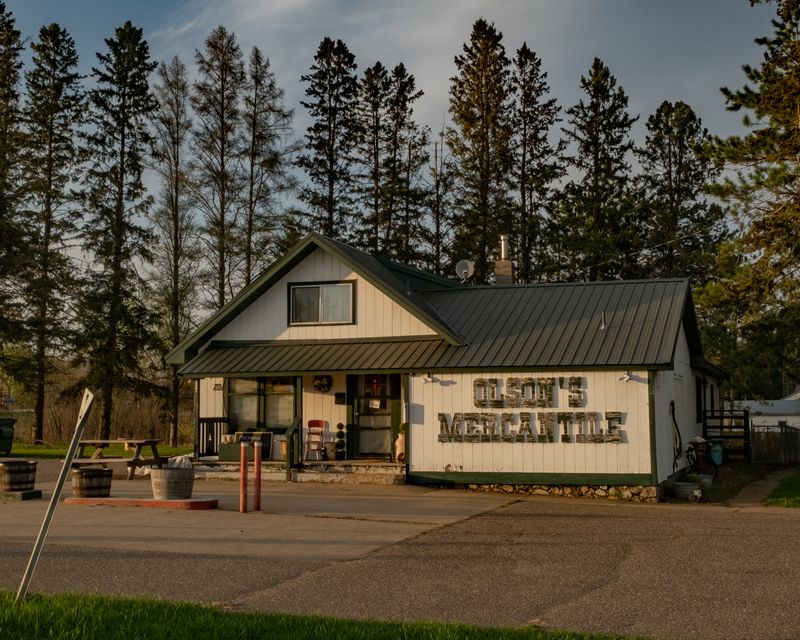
[314, 439]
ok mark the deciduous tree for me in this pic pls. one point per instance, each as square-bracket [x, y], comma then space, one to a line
[176, 254]
[267, 132]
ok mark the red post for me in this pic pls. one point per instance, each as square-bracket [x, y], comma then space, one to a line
[257, 476]
[243, 479]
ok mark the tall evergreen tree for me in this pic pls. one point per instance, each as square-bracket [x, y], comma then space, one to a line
[479, 141]
[600, 232]
[218, 153]
[392, 152]
[536, 165]
[762, 186]
[176, 253]
[267, 128]
[370, 153]
[10, 232]
[683, 228]
[331, 92]
[52, 113]
[116, 327]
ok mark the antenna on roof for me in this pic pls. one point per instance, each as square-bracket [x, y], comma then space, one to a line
[465, 269]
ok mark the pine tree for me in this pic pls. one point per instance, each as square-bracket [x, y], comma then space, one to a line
[479, 142]
[684, 230]
[116, 327]
[600, 232]
[267, 127]
[218, 153]
[53, 113]
[176, 252]
[332, 91]
[392, 153]
[537, 164]
[370, 153]
[762, 186]
[11, 247]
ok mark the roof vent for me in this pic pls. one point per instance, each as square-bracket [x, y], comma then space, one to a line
[503, 267]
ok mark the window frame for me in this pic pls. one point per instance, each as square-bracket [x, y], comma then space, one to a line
[321, 283]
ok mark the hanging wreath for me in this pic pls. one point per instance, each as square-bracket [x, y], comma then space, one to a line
[322, 383]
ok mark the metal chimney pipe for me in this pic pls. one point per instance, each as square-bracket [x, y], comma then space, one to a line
[503, 267]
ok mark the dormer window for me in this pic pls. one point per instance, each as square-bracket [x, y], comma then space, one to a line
[321, 303]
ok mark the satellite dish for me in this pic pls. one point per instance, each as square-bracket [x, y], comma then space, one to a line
[465, 269]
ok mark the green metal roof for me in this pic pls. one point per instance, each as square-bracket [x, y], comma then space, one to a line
[599, 325]
[401, 283]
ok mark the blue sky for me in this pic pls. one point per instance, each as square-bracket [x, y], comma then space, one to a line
[657, 49]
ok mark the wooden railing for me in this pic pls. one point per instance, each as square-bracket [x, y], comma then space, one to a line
[208, 436]
[729, 429]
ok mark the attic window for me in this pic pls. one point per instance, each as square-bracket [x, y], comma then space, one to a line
[321, 303]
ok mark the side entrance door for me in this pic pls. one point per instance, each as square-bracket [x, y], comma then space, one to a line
[375, 414]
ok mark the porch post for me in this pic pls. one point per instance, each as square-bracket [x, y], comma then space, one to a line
[197, 420]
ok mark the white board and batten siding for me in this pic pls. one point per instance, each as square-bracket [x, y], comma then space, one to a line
[676, 385]
[377, 316]
[211, 402]
[604, 392]
[322, 406]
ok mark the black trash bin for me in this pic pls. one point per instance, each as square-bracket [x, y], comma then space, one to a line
[7, 434]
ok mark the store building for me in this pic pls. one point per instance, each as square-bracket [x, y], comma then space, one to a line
[555, 384]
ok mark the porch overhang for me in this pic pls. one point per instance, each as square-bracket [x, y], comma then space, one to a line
[295, 357]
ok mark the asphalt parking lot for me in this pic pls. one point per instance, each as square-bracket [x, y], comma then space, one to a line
[413, 553]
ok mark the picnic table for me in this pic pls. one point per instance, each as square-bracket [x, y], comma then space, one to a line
[96, 455]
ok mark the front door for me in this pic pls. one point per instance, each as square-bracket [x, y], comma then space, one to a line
[375, 414]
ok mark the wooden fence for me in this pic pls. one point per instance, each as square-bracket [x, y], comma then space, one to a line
[776, 444]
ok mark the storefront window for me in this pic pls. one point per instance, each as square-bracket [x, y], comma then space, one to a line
[261, 404]
[279, 404]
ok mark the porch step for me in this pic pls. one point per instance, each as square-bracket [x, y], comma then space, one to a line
[356, 472]
[353, 473]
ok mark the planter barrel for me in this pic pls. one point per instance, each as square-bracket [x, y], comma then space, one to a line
[686, 489]
[17, 475]
[91, 483]
[172, 483]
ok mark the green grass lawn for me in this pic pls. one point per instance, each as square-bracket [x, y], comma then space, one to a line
[59, 451]
[83, 617]
[732, 477]
[786, 494]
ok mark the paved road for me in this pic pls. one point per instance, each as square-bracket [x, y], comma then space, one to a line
[665, 571]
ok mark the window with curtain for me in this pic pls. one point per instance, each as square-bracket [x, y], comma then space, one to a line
[329, 303]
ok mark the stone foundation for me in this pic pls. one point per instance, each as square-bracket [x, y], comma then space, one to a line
[602, 492]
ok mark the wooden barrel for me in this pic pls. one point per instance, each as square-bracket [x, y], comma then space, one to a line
[91, 482]
[17, 475]
[172, 483]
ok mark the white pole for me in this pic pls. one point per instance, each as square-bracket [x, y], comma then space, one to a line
[83, 415]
